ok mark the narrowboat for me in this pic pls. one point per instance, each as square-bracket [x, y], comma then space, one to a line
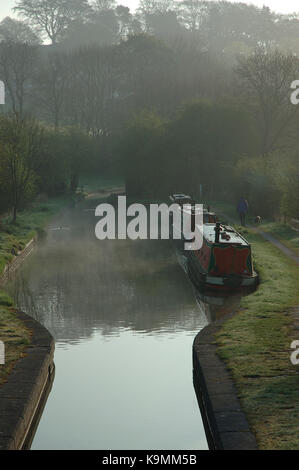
[224, 261]
[187, 202]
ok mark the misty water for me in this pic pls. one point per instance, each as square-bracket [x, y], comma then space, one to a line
[124, 316]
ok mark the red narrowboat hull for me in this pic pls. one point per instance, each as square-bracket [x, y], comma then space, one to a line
[222, 266]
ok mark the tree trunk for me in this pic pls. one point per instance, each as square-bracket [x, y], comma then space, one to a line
[14, 214]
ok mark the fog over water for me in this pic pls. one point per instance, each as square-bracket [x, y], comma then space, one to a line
[124, 317]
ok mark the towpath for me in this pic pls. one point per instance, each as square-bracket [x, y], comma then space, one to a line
[287, 251]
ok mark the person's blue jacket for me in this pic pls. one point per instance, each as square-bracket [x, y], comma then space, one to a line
[242, 206]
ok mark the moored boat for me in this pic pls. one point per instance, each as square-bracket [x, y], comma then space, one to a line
[224, 261]
[187, 204]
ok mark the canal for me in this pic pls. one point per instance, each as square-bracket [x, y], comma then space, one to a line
[124, 316]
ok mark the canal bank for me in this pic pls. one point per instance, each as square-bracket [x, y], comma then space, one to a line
[11, 267]
[17, 241]
[23, 396]
[225, 422]
[254, 347]
[27, 372]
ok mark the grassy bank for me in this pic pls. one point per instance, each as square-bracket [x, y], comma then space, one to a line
[14, 335]
[284, 233]
[13, 238]
[255, 344]
[94, 183]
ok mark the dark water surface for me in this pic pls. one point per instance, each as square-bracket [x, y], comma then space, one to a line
[124, 316]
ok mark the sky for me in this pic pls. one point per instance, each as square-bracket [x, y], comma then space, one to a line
[281, 6]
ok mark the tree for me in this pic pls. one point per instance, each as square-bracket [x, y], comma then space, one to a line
[125, 21]
[256, 178]
[225, 22]
[147, 65]
[17, 31]
[51, 17]
[102, 28]
[17, 64]
[51, 83]
[103, 5]
[266, 77]
[149, 10]
[290, 186]
[164, 24]
[191, 13]
[92, 89]
[21, 151]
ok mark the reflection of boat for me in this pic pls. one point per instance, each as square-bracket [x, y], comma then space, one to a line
[214, 304]
[211, 298]
[223, 261]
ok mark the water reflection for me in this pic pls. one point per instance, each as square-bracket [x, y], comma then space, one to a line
[73, 283]
[124, 316]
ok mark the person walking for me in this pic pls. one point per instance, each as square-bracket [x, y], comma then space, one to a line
[242, 209]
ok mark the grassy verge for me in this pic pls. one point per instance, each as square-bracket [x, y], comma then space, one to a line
[284, 233]
[93, 183]
[255, 344]
[13, 238]
[14, 335]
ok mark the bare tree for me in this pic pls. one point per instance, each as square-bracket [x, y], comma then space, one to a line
[92, 90]
[103, 5]
[266, 77]
[51, 83]
[51, 17]
[20, 156]
[17, 63]
[191, 13]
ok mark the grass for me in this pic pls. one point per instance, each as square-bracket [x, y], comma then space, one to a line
[255, 345]
[13, 238]
[284, 233]
[92, 183]
[14, 335]
[224, 208]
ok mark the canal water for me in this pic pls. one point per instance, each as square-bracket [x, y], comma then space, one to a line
[124, 316]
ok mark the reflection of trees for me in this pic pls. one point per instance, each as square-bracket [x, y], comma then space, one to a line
[23, 295]
[74, 283]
